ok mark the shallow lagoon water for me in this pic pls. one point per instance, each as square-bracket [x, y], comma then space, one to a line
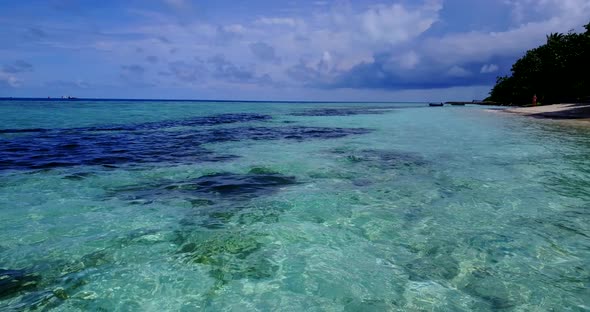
[291, 206]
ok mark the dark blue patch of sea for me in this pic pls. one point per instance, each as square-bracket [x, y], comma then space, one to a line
[173, 141]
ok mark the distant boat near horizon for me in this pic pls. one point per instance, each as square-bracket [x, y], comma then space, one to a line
[436, 104]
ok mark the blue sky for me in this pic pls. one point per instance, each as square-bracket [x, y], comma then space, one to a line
[378, 50]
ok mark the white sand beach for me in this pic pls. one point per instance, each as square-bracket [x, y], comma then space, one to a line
[579, 112]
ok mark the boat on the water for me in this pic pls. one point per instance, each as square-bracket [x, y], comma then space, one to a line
[436, 104]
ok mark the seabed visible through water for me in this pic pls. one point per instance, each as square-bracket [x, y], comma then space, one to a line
[154, 206]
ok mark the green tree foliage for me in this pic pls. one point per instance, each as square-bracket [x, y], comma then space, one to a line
[558, 71]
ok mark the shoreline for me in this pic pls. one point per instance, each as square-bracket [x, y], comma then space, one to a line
[578, 113]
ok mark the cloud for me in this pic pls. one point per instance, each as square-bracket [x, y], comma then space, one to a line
[481, 46]
[395, 23]
[152, 59]
[216, 68]
[348, 38]
[223, 69]
[314, 73]
[134, 75]
[303, 73]
[489, 68]
[408, 60]
[134, 69]
[164, 39]
[364, 45]
[263, 51]
[385, 72]
[458, 71]
[328, 43]
[67, 85]
[34, 33]
[188, 72]
[526, 11]
[278, 21]
[562, 16]
[228, 33]
[18, 66]
[10, 80]
[326, 62]
[9, 73]
[437, 62]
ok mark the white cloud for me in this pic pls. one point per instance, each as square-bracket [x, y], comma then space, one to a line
[10, 80]
[409, 60]
[281, 21]
[14, 82]
[458, 71]
[489, 68]
[350, 36]
[481, 46]
[235, 28]
[325, 63]
[524, 11]
[336, 38]
[395, 23]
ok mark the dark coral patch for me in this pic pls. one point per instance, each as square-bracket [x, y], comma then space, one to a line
[168, 141]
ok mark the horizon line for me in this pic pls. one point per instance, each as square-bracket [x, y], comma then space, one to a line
[75, 99]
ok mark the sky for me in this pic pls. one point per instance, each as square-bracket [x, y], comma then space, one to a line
[400, 50]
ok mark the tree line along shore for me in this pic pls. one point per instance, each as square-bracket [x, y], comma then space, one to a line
[555, 72]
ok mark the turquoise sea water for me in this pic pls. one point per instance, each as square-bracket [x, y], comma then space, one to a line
[164, 206]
